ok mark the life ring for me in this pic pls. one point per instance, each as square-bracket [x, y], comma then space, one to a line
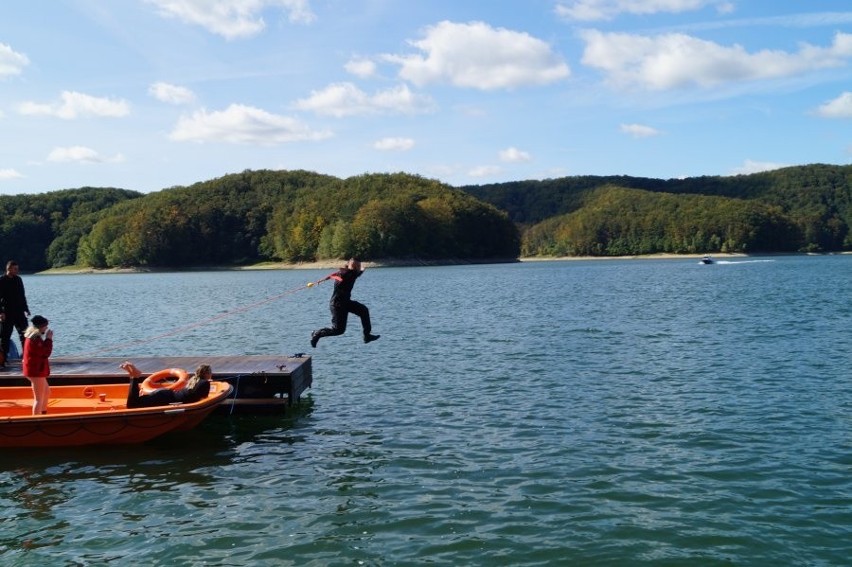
[161, 379]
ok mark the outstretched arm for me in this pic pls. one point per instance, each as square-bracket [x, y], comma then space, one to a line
[131, 369]
[335, 276]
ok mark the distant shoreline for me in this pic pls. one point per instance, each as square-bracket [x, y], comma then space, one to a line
[334, 264]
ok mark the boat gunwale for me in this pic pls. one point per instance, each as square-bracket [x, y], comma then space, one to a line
[223, 390]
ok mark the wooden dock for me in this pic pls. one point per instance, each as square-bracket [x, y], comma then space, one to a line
[262, 383]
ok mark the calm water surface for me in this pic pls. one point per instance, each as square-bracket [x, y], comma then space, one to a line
[653, 412]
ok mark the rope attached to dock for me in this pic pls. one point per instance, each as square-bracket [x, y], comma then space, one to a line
[236, 393]
[197, 324]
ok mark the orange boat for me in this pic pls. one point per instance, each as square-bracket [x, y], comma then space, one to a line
[95, 415]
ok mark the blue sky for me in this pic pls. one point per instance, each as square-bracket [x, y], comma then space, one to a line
[152, 94]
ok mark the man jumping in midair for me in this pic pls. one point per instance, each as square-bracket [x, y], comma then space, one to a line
[342, 305]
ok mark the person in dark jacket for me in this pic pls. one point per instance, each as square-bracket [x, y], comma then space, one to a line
[342, 304]
[14, 310]
[38, 346]
[197, 388]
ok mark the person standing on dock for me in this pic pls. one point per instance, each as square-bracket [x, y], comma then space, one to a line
[38, 346]
[13, 309]
[342, 304]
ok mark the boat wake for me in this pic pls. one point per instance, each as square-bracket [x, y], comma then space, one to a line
[742, 261]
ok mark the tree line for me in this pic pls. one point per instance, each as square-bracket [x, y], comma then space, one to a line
[255, 216]
[301, 216]
[623, 222]
[44, 230]
[800, 209]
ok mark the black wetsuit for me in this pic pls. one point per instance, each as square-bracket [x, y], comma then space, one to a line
[164, 396]
[342, 304]
[13, 305]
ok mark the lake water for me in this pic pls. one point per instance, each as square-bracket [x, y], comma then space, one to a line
[615, 412]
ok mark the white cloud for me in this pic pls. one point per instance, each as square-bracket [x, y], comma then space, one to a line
[485, 171]
[841, 107]
[11, 62]
[751, 166]
[589, 10]
[475, 55]
[363, 68]
[9, 174]
[242, 124]
[639, 130]
[232, 19]
[677, 60]
[78, 105]
[80, 154]
[514, 155]
[345, 99]
[172, 94]
[394, 144]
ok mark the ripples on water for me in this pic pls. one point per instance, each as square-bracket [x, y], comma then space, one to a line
[613, 412]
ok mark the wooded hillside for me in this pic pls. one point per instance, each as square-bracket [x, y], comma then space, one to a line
[294, 216]
[254, 216]
[44, 230]
[805, 208]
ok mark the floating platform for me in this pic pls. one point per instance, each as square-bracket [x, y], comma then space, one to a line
[262, 383]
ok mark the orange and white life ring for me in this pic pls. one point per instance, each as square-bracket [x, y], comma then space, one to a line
[163, 379]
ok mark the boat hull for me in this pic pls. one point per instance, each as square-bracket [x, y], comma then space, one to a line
[261, 384]
[95, 415]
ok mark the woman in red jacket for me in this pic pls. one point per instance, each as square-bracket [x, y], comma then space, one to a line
[38, 346]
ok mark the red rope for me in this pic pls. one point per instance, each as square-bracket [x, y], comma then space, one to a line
[197, 324]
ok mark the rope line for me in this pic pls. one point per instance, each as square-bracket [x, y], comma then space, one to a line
[236, 393]
[197, 324]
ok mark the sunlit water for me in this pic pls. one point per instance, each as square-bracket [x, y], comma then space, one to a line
[592, 412]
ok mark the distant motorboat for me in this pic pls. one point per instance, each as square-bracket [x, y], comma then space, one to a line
[706, 259]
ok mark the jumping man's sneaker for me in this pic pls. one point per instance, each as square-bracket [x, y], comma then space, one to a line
[314, 339]
[371, 338]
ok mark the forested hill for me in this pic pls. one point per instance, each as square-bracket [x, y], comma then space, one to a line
[255, 216]
[45, 229]
[294, 216]
[803, 208]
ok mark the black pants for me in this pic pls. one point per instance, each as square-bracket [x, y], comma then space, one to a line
[12, 321]
[162, 397]
[339, 316]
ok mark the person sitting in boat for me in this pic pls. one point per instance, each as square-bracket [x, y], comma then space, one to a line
[196, 388]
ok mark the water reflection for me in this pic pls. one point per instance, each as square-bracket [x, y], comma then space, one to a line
[34, 478]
